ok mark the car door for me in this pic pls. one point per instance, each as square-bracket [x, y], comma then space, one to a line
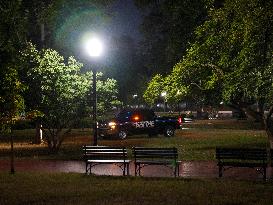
[143, 121]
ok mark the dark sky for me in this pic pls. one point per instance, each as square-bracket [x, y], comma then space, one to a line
[126, 20]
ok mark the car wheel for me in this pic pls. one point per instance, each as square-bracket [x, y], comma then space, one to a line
[122, 134]
[169, 131]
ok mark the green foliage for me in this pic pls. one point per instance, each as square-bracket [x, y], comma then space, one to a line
[231, 57]
[61, 90]
[154, 89]
[236, 40]
[13, 22]
[107, 94]
[11, 100]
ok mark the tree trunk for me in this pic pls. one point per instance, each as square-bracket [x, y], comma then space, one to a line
[268, 123]
[253, 114]
[265, 120]
[12, 169]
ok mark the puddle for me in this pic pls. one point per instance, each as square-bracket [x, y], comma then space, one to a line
[188, 169]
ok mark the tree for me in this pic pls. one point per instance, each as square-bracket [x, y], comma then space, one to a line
[167, 28]
[232, 58]
[154, 89]
[107, 90]
[62, 90]
[12, 37]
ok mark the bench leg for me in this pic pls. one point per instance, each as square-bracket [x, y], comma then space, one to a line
[135, 169]
[264, 177]
[128, 169]
[220, 170]
[178, 170]
[86, 168]
[124, 168]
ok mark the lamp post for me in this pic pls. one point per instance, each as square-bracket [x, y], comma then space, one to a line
[94, 49]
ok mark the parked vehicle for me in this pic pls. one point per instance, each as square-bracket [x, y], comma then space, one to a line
[138, 121]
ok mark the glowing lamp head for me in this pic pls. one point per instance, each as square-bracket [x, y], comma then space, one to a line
[94, 47]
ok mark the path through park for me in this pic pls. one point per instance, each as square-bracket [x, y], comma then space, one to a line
[188, 169]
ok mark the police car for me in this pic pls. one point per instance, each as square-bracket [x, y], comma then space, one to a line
[138, 121]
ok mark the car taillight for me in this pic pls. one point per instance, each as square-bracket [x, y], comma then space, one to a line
[180, 120]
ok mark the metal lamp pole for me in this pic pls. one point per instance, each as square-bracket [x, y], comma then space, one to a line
[94, 48]
[95, 128]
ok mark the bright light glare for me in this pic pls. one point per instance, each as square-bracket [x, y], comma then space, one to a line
[94, 47]
[163, 94]
[112, 125]
[136, 118]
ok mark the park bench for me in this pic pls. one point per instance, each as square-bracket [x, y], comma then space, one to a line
[242, 157]
[144, 156]
[94, 155]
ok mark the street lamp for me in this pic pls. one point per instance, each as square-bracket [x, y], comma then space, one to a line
[163, 94]
[94, 49]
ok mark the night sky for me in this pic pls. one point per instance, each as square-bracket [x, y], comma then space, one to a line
[126, 20]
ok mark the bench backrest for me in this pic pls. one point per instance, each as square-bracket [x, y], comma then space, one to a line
[104, 152]
[241, 154]
[155, 153]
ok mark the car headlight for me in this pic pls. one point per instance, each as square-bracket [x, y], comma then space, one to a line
[112, 125]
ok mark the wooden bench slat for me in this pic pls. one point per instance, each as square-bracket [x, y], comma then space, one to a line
[241, 164]
[155, 156]
[156, 162]
[94, 155]
[242, 157]
[107, 161]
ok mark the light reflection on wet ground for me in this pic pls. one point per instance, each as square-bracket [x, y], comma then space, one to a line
[188, 169]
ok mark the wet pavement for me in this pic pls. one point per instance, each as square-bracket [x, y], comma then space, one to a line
[188, 169]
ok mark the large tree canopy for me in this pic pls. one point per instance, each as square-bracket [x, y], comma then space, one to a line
[12, 36]
[231, 58]
[59, 91]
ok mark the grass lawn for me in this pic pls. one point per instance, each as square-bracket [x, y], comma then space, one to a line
[59, 188]
[198, 142]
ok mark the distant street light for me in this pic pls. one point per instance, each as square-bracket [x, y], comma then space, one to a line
[135, 100]
[164, 94]
[94, 49]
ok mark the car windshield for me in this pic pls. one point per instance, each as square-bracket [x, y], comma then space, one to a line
[124, 115]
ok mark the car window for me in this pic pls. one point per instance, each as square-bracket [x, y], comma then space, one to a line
[148, 115]
[136, 115]
[124, 116]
